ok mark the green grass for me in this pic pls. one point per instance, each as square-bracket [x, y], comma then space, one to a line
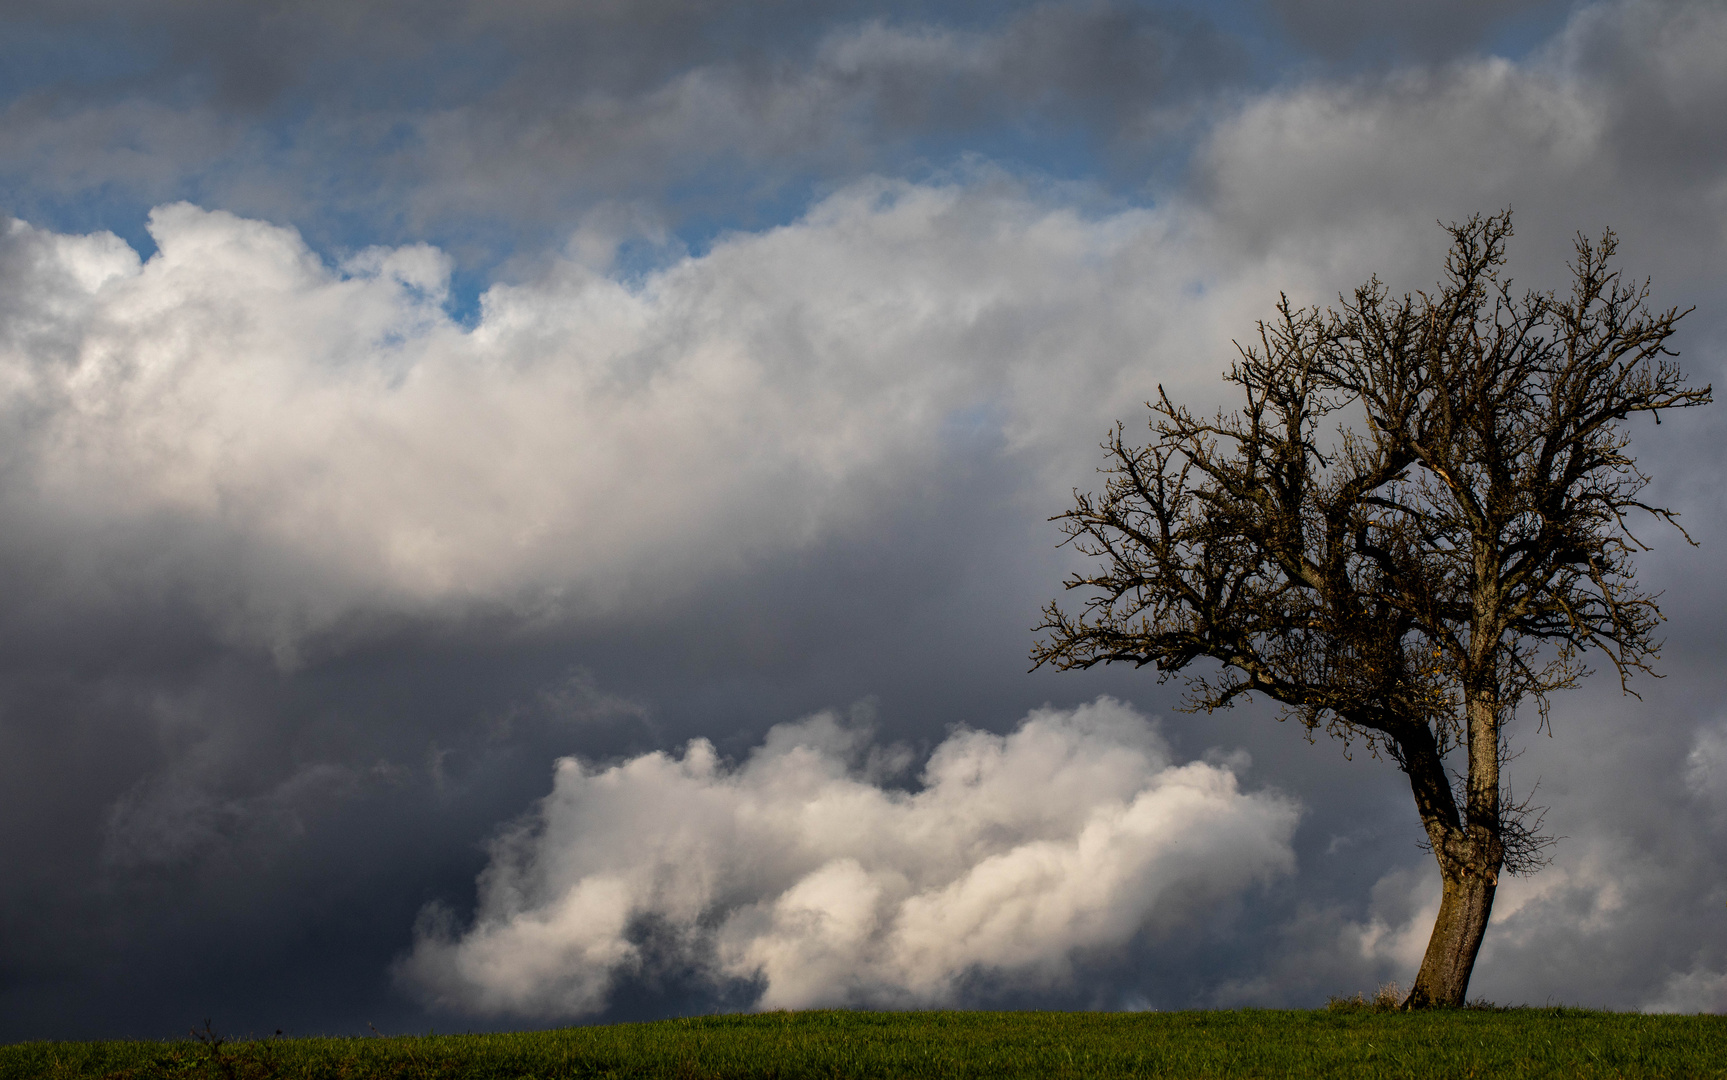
[1340, 1042]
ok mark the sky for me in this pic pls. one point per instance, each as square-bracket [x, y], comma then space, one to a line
[522, 513]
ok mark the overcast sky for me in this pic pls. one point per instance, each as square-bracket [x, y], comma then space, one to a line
[519, 513]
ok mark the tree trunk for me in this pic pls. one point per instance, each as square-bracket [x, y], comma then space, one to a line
[1463, 912]
[1469, 851]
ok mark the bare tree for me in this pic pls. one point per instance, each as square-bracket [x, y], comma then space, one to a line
[1455, 549]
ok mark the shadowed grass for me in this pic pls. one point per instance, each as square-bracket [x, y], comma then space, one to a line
[1337, 1042]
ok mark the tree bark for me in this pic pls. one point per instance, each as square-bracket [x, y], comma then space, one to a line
[1463, 912]
[1469, 861]
[1470, 852]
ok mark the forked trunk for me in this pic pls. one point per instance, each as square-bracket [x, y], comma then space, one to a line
[1463, 912]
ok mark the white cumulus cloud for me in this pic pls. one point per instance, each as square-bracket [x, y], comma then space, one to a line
[291, 442]
[800, 869]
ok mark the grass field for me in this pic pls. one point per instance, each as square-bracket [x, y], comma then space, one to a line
[1334, 1043]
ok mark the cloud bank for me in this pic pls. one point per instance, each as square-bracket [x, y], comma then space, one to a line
[298, 442]
[802, 872]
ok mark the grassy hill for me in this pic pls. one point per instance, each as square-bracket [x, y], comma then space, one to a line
[1331, 1043]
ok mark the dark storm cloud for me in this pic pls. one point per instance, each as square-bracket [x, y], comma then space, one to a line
[254, 55]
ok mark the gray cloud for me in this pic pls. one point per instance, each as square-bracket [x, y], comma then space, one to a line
[1609, 123]
[1416, 29]
[485, 123]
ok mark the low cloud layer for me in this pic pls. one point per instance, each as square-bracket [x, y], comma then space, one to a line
[1014, 858]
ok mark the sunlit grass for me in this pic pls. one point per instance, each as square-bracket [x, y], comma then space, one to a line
[1340, 1042]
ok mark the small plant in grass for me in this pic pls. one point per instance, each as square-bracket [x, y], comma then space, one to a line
[1388, 998]
[253, 1062]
